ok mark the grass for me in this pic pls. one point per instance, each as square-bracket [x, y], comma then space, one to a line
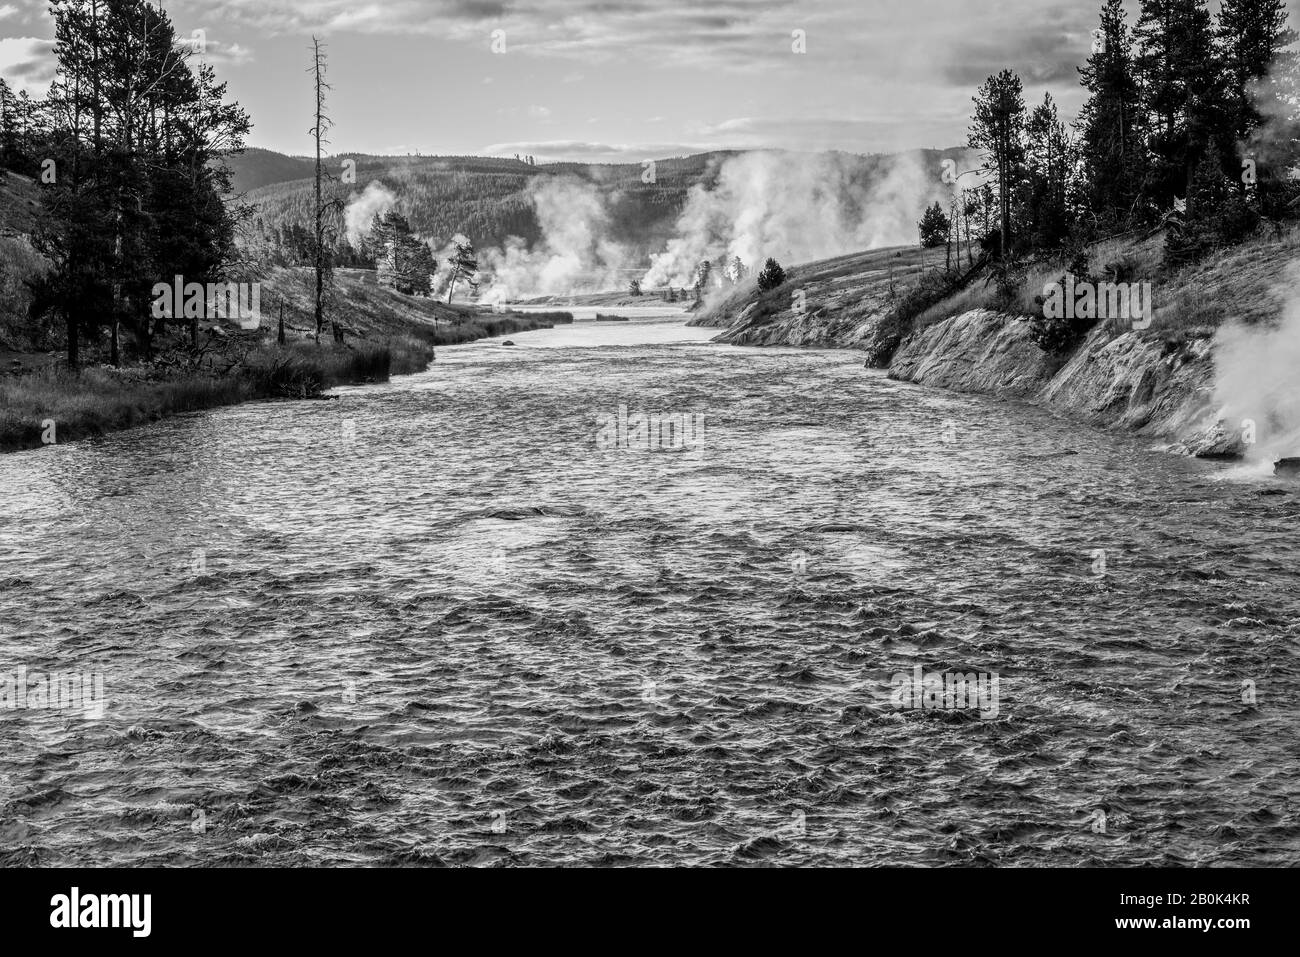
[1241, 283]
[386, 335]
[497, 324]
[101, 399]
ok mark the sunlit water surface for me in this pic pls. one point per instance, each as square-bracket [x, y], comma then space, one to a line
[433, 622]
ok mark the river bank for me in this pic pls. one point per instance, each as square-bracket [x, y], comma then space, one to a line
[1158, 382]
[42, 402]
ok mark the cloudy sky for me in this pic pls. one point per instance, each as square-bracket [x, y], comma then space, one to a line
[614, 79]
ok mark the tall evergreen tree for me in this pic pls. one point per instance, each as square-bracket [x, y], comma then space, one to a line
[934, 227]
[11, 148]
[1183, 91]
[1254, 45]
[464, 265]
[998, 129]
[1255, 41]
[1049, 154]
[137, 140]
[1111, 127]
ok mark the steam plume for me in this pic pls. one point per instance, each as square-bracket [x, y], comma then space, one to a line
[1255, 371]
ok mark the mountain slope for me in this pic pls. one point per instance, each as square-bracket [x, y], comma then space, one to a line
[490, 199]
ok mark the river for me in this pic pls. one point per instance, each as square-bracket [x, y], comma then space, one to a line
[441, 621]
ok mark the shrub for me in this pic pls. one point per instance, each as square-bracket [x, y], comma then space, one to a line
[771, 276]
[897, 324]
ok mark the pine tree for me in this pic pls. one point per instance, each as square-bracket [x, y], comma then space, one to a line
[771, 276]
[1049, 154]
[1254, 40]
[464, 265]
[1217, 215]
[1111, 129]
[1262, 92]
[323, 209]
[998, 129]
[934, 227]
[11, 149]
[1183, 89]
[139, 184]
[701, 282]
[422, 268]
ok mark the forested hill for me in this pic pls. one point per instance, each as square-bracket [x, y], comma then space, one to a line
[490, 198]
[255, 168]
[485, 198]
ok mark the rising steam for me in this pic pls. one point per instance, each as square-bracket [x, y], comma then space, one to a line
[796, 208]
[1255, 375]
[361, 210]
[574, 248]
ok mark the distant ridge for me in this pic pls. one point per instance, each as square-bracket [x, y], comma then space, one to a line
[490, 198]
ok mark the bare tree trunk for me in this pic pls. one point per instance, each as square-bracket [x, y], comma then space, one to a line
[320, 226]
[74, 352]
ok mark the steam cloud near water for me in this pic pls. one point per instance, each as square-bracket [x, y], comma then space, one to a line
[574, 252]
[796, 208]
[793, 207]
[1255, 370]
[361, 210]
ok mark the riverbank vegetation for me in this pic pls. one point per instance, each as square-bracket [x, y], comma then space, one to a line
[118, 183]
[1180, 171]
[57, 404]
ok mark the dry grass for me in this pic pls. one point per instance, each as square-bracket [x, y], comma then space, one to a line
[387, 334]
[977, 295]
[101, 400]
[1242, 283]
[1245, 284]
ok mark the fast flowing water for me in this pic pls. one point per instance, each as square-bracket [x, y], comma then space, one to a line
[436, 621]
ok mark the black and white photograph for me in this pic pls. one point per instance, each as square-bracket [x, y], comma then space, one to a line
[581, 435]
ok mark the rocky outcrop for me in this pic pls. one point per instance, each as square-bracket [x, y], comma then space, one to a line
[1123, 381]
[979, 351]
[820, 327]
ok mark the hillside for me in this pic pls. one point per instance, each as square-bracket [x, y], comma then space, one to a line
[19, 203]
[491, 198]
[843, 300]
[255, 168]
[1159, 381]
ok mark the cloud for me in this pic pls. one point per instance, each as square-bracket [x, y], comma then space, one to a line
[559, 150]
[888, 37]
[27, 63]
[213, 51]
[884, 131]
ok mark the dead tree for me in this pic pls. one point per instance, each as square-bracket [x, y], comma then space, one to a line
[324, 208]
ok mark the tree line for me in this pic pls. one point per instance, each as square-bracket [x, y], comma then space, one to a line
[126, 149]
[1190, 123]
